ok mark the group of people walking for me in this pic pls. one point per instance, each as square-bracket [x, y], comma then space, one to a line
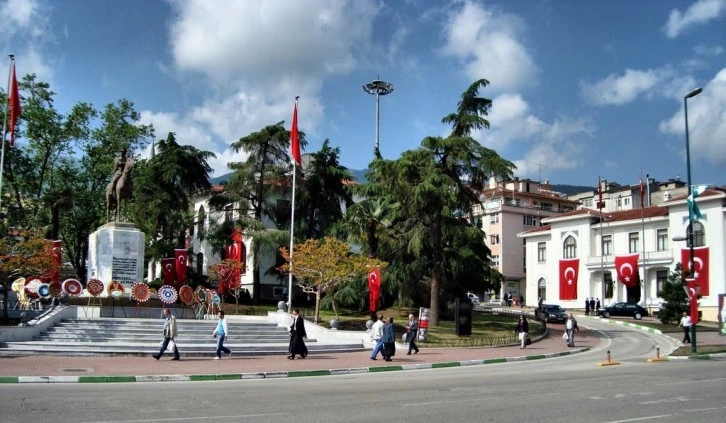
[383, 333]
[296, 331]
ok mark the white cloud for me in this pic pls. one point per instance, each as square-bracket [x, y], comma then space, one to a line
[515, 128]
[621, 89]
[489, 45]
[227, 40]
[26, 31]
[708, 50]
[698, 13]
[706, 121]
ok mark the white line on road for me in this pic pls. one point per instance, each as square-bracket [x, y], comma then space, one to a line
[638, 419]
[176, 419]
[695, 410]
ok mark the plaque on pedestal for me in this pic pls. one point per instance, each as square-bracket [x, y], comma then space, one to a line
[116, 253]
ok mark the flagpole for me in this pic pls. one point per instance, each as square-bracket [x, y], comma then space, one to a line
[642, 221]
[292, 228]
[602, 241]
[5, 129]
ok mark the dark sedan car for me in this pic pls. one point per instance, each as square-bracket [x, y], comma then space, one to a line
[624, 310]
[551, 313]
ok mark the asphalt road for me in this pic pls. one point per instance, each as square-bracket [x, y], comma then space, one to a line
[569, 389]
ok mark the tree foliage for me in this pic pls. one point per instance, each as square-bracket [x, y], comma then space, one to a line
[676, 300]
[322, 266]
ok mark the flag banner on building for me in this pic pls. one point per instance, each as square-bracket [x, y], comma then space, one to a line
[693, 208]
[692, 291]
[627, 268]
[168, 270]
[374, 288]
[600, 204]
[568, 278]
[239, 251]
[700, 264]
[57, 254]
[181, 266]
[13, 105]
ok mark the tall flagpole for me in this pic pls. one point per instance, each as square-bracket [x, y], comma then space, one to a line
[5, 129]
[292, 226]
[645, 257]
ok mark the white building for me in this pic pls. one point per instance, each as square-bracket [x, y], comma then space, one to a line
[585, 234]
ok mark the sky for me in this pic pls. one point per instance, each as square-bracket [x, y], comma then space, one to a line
[580, 89]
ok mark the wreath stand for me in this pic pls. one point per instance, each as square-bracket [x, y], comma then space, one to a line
[93, 301]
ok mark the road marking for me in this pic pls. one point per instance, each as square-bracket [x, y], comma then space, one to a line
[176, 419]
[415, 404]
[618, 396]
[667, 400]
[638, 419]
[701, 409]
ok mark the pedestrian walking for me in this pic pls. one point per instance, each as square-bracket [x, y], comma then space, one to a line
[297, 335]
[509, 299]
[521, 300]
[389, 340]
[412, 333]
[377, 336]
[539, 303]
[221, 333]
[597, 306]
[686, 322]
[571, 327]
[169, 335]
[587, 307]
[523, 330]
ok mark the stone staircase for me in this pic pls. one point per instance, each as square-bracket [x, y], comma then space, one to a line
[142, 337]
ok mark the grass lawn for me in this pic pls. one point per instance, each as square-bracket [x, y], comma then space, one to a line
[702, 349]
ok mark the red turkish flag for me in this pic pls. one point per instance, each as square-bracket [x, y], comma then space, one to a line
[374, 288]
[57, 253]
[627, 269]
[295, 138]
[168, 270]
[13, 105]
[568, 278]
[181, 266]
[700, 263]
[692, 290]
[224, 272]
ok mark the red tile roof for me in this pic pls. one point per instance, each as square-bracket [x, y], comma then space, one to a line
[647, 212]
[538, 229]
[709, 192]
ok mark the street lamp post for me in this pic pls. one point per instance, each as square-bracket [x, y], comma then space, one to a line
[379, 88]
[691, 94]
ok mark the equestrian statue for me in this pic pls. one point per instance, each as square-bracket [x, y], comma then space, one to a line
[121, 186]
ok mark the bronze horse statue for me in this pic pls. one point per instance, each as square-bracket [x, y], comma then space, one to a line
[120, 188]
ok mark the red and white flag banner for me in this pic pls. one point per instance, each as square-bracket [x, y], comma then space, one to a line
[569, 269]
[181, 265]
[700, 264]
[627, 269]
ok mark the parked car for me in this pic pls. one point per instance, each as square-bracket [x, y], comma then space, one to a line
[551, 313]
[473, 297]
[624, 310]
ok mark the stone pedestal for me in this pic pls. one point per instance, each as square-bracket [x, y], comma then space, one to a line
[116, 253]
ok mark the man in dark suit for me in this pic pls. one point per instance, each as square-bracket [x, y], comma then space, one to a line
[297, 333]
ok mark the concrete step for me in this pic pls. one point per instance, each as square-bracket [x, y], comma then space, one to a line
[158, 331]
[156, 338]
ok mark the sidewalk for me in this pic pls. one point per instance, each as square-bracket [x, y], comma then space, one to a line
[93, 369]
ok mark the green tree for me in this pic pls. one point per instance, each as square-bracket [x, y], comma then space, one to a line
[163, 190]
[255, 186]
[322, 193]
[676, 300]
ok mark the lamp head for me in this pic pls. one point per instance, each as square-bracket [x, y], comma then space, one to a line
[694, 92]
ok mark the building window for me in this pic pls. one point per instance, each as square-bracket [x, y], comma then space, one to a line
[529, 220]
[662, 240]
[608, 280]
[493, 239]
[494, 218]
[495, 260]
[541, 252]
[607, 245]
[542, 289]
[570, 248]
[699, 235]
[627, 201]
[547, 206]
[201, 217]
[661, 278]
[228, 213]
[633, 241]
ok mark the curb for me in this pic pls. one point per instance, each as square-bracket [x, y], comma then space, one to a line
[621, 323]
[698, 357]
[275, 375]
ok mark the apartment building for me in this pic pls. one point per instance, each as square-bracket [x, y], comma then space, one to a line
[508, 208]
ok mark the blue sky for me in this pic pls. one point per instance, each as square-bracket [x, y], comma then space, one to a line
[582, 88]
